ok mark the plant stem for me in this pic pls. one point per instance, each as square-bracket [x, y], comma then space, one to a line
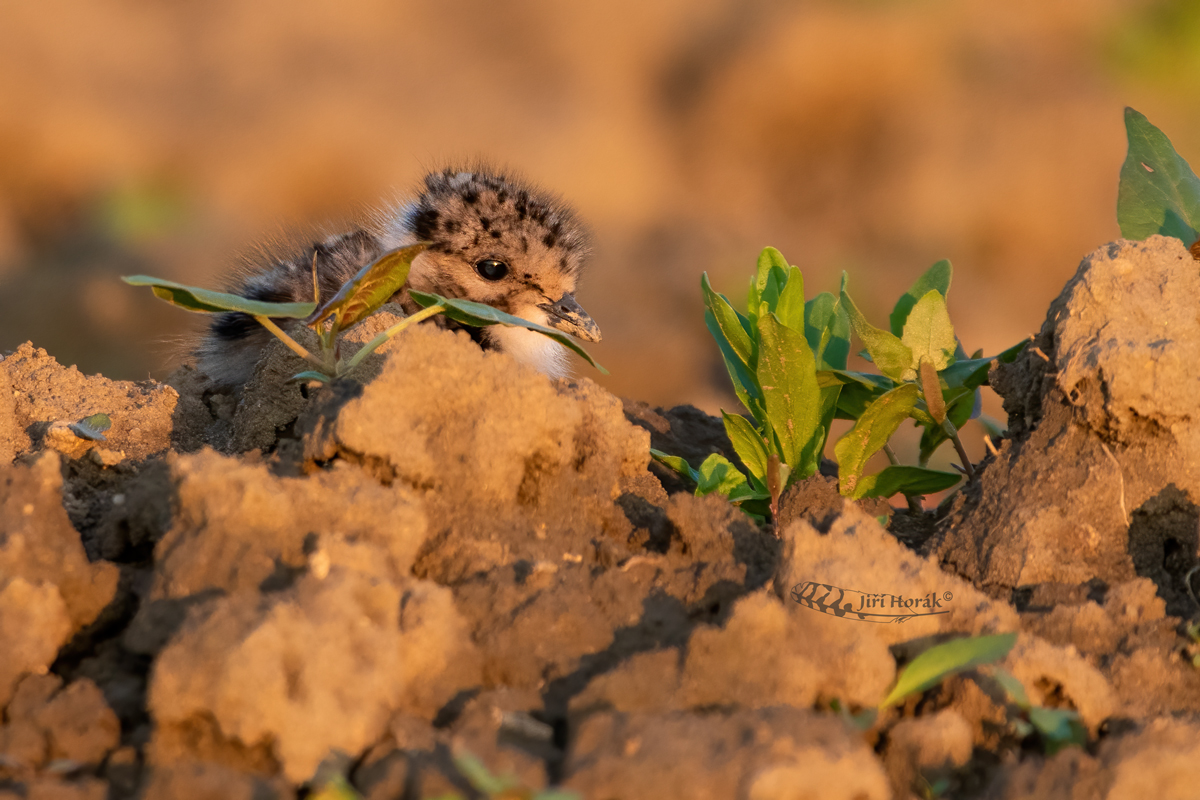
[291, 343]
[891, 454]
[952, 432]
[370, 346]
[914, 501]
[775, 488]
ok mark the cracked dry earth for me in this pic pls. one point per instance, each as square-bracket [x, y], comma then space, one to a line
[234, 594]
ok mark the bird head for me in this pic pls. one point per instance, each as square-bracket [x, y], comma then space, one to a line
[496, 241]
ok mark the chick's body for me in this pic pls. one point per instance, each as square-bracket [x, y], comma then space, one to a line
[491, 239]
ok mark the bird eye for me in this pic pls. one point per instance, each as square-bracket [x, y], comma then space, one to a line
[491, 269]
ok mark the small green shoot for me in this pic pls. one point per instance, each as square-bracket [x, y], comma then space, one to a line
[1055, 727]
[1159, 193]
[356, 300]
[940, 661]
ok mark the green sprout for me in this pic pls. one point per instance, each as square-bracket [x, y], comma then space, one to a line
[357, 299]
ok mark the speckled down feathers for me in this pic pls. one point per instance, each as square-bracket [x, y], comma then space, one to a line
[467, 216]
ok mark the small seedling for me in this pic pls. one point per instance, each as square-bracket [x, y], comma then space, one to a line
[357, 299]
[1056, 728]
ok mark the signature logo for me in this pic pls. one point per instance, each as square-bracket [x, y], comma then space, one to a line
[869, 606]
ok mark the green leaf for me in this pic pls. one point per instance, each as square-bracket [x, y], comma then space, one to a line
[859, 390]
[748, 443]
[310, 375]
[728, 323]
[676, 463]
[904, 480]
[92, 427]
[772, 274]
[827, 328]
[888, 352]
[1013, 686]
[790, 309]
[936, 277]
[1058, 728]
[1159, 193]
[719, 475]
[970, 373]
[207, 302]
[929, 334]
[940, 661]
[870, 433]
[787, 374]
[480, 315]
[373, 286]
[745, 385]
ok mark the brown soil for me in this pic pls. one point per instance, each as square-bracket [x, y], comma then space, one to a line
[233, 595]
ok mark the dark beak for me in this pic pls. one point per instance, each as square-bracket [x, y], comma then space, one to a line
[569, 317]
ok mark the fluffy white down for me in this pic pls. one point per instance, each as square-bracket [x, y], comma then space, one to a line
[529, 347]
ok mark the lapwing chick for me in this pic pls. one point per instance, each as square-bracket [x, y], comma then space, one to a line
[493, 240]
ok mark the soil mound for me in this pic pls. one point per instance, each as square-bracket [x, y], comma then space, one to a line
[244, 594]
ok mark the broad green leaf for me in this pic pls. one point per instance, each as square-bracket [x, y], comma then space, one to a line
[787, 374]
[859, 390]
[936, 277]
[479, 315]
[790, 308]
[970, 373]
[940, 661]
[373, 286]
[827, 328]
[728, 322]
[676, 463]
[1058, 727]
[208, 302]
[888, 352]
[929, 334]
[719, 475]
[745, 385]
[92, 427]
[748, 443]
[870, 433]
[1159, 193]
[904, 479]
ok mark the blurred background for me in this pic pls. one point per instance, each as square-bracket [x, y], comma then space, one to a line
[876, 136]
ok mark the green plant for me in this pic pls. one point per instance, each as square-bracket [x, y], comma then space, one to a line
[926, 376]
[1159, 193]
[356, 300]
[787, 359]
[1056, 728]
[937, 663]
